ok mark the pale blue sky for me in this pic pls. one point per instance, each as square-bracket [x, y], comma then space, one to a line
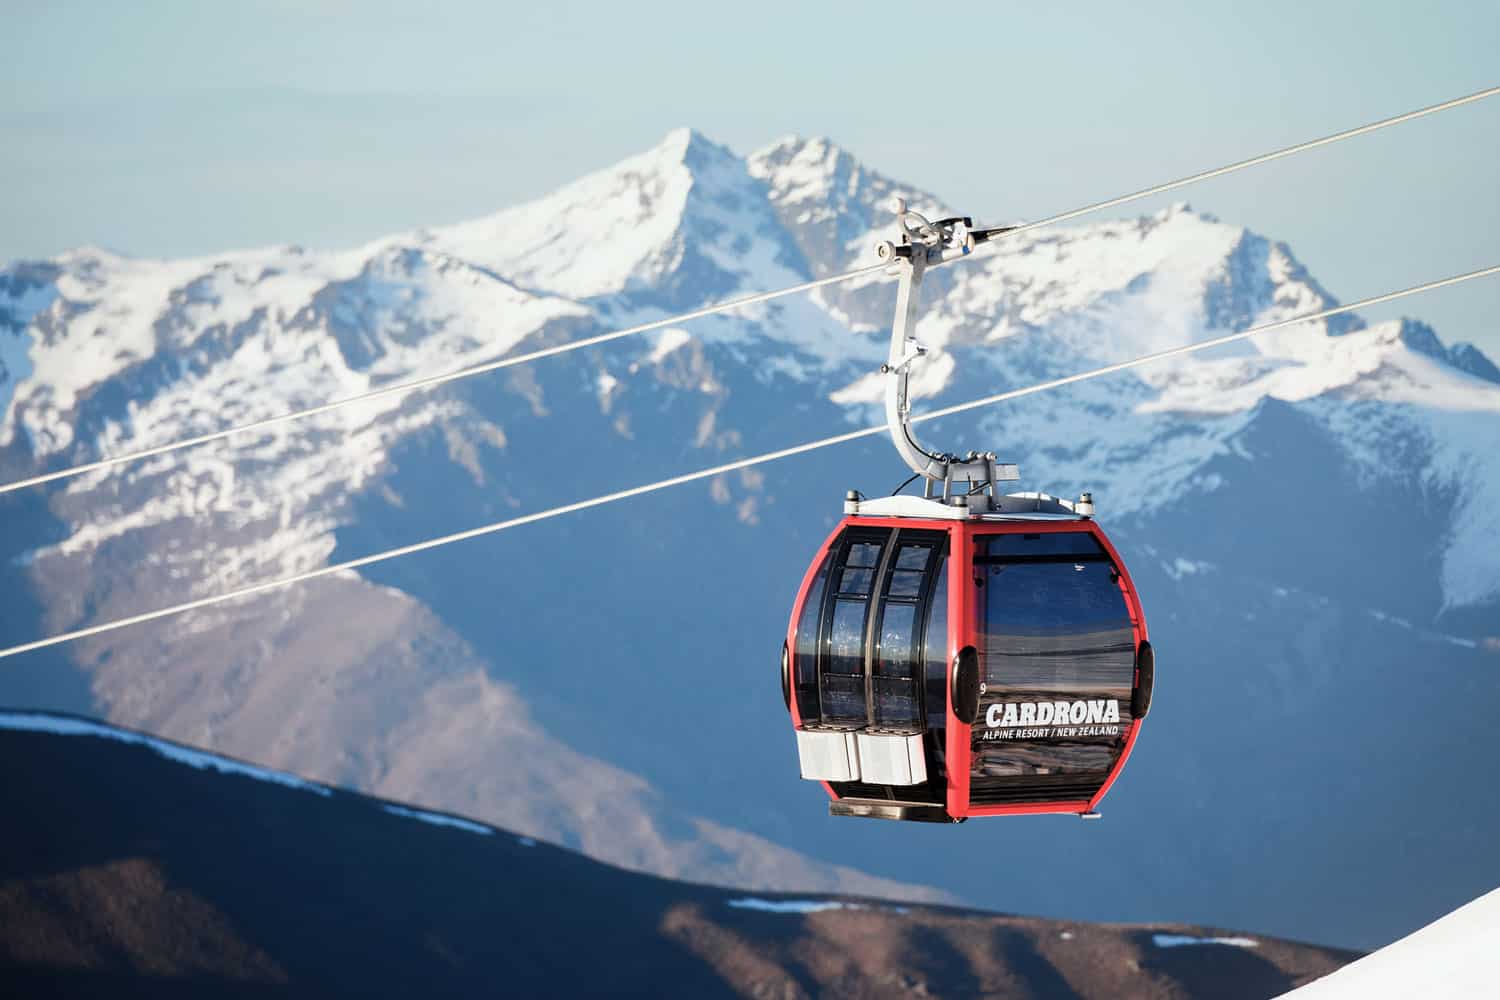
[176, 128]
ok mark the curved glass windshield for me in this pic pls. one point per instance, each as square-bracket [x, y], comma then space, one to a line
[859, 651]
[897, 682]
[805, 654]
[1057, 652]
[842, 678]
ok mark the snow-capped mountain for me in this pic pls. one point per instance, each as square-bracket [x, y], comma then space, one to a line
[1309, 518]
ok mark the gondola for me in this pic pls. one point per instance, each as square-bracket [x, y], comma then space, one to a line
[962, 653]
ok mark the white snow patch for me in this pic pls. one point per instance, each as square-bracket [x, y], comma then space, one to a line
[629, 226]
[28, 722]
[1389, 619]
[792, 905]
[929, 377]
[804, 905]
[671, 339]
[438, 819]
[867, 389]
[416, 312]
[1185, 940]
[526, 841]
[1181, 567]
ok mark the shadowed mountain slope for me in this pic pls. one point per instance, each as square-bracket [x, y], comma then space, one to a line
[137, 867]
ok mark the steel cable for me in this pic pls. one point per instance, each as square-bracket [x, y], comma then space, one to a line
[433, 381]
[718, 470]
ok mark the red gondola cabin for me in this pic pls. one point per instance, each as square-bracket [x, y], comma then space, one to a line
[941, 664]
[962, 653]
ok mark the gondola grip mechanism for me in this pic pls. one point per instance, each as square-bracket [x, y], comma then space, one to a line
[923, 245]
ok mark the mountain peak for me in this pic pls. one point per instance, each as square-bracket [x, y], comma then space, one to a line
[800, 169]
[682, 222]
[679, 138]
[795, 147]
[691, 148]
[827, 199]
[1183, 209]
[1466, 357]
[1422, 339]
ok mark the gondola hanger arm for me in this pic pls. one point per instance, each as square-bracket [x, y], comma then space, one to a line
[925, 244]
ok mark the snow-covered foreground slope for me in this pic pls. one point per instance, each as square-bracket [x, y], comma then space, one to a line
[1454, 958]
[1311, 518]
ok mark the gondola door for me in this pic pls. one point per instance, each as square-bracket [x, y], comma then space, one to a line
[1055, 627]
[869, 668]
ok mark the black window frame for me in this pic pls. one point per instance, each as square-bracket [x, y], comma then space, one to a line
[890, 540]
[935, 542]
[832, 595]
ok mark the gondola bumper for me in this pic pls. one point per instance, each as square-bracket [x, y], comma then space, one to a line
[833, 754]
[921, 812]
[828, 755]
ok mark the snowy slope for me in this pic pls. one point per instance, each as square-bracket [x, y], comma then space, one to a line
[199, 343]
[668, 227]
[1367, 430]
[1453, 957]
[194, 345]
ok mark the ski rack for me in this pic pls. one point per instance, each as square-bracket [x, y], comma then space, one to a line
[923, 245]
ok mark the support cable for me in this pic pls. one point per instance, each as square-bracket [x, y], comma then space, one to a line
[433, 381]
[1256, 161]
[717, 470]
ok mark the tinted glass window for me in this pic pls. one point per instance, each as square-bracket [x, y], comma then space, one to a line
[895, 683]
[898, 675]
[843, 675]
[805, 655]
[867, 630]
[843, 667]
[912, 557]
[906, 583]
[844, 697]
[896, 627]
[1050, 543]
[846, 648]
[1056, 627]
[1057, 653]
[859, 568]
